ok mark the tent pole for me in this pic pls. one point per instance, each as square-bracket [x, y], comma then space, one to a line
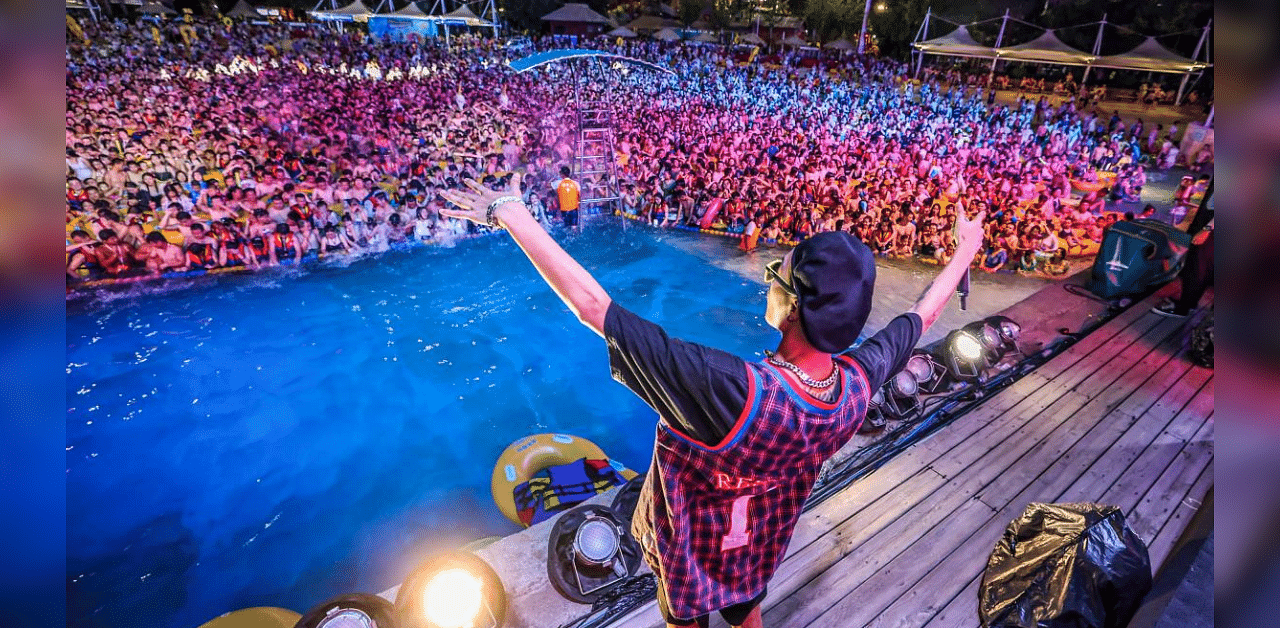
[862, 38]
[999, 40]
[922, 36]
[1097, 49]
[1195, 56]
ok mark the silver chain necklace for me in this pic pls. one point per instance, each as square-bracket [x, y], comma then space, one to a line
[804, 377]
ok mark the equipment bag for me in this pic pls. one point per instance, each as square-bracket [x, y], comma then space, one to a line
[1136, 254]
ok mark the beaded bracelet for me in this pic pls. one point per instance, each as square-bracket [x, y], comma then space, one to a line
[488, 214]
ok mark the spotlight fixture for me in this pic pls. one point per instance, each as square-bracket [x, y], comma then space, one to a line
[901, 397]
[989, 338]
[998, 336]
[928, 373]
[351, 611]
[875, 421]
[963, 354]
[453, 590]
[1010, 331]
[589, 551]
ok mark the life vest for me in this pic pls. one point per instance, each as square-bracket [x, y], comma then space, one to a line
[232, 244]
[569, 194]
[201, 255]
[285, 244]
[260, 250]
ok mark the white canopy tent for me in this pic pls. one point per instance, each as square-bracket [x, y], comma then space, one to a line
[666, 34]
[356, 11]
[410, 11]
[621, 31]
[1150, 55]
[466, 16]
[243, 9]
[1048, 49]
[957, 43]
[155, 8]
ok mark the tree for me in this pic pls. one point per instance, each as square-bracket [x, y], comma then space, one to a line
[526, 15]
[896, 26]
[689, 11]
[828, 19]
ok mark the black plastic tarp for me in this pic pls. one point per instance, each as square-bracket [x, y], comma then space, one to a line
[1065, 566]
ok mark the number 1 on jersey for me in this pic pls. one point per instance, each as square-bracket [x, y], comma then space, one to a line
[738, 535]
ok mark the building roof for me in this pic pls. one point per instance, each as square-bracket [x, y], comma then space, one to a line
[575, 12]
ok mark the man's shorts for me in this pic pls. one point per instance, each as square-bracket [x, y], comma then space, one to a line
[733, 615]
[570, 218]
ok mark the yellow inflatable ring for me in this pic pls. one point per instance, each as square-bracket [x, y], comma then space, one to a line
[258, 617]
[527, 456]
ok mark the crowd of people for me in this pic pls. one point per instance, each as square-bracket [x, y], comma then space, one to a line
[203, 145]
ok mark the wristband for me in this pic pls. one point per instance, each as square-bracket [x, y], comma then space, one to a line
[488, 214]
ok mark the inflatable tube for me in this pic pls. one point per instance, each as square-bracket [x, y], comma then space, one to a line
[527, 456]
[1086, 187]
[713, 210]
[258, 617]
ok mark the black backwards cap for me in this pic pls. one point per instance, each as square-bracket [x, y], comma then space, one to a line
[834, 275]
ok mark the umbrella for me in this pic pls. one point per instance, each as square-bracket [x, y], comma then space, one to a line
[666, 34]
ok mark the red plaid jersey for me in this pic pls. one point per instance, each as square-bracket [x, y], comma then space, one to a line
[715, 522]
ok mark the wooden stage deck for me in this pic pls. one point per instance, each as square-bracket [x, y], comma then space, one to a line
[1121, 418]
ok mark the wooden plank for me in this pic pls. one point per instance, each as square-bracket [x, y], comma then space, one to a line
[962, 609]
[903, 533]
[1100, 337]
[1090, 431]
[1125, 472]
[1118, 408]
[1160, 547]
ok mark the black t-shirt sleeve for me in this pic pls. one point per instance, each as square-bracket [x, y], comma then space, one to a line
[886, 353]
[696, 390]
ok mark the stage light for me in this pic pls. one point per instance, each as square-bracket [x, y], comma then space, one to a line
[875, 420]
[596, 543]
[1010, 331]
[901, 397]
[963, 355]
[454, 590]
[966, 346]
[929, 374]
[453, 598]
[351, 611]
[590, 552]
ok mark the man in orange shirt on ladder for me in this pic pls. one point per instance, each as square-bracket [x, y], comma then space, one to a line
[568, 193]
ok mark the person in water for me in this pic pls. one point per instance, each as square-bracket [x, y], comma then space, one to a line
[739, 444]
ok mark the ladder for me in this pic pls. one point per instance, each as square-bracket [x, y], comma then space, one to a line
[594, 155]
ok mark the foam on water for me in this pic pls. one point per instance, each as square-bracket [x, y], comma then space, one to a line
[280, 437]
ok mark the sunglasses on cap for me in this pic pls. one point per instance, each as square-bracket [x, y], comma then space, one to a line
[771, 274]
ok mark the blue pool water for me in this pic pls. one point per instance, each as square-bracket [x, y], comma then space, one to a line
[282, 437]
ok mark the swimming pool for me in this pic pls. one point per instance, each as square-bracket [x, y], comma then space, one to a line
[281, 437]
